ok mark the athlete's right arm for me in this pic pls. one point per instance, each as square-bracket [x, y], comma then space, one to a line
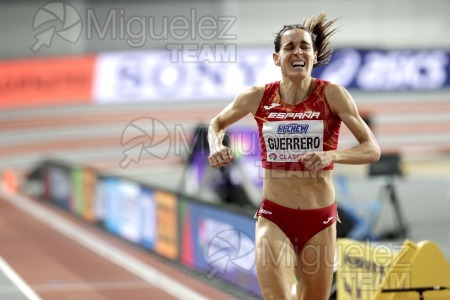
[245, 102]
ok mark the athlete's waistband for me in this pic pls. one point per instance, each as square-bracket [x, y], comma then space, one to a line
[290, 166]
[266, 201]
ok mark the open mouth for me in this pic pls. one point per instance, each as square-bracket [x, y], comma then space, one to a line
[298, 64]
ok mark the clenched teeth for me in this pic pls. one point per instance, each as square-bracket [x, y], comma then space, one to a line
[298, 64]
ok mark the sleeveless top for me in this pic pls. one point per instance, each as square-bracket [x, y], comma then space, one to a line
[288, 131]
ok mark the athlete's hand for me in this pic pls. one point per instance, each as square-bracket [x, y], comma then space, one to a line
[316, 161]
[220, 157]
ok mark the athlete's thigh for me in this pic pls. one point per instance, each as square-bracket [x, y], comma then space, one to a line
[275, 260]
[316, 265]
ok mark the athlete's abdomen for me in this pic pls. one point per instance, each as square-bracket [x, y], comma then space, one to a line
[299, 189]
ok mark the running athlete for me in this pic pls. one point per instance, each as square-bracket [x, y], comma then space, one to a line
[298, 119]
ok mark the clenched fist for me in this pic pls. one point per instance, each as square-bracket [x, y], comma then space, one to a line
[220, 157]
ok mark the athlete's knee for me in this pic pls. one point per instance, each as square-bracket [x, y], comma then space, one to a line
[277, 295]
[274, 283]
[305, 293]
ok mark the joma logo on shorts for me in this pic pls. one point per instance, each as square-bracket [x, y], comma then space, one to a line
[265, 212]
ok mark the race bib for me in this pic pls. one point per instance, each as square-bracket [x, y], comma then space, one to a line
[286, 141]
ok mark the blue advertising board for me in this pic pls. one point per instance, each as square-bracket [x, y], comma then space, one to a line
[221, 244]
[112, 205]
[147, 219]
[388, 70]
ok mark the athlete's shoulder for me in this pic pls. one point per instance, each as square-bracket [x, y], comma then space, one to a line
[253, 92]
[333, 90]
[338, 97]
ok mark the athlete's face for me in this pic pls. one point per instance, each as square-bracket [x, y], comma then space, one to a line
[296, 57]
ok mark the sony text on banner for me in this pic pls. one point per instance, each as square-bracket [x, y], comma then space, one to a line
[46, 81]
[151, 76]
[143, 76]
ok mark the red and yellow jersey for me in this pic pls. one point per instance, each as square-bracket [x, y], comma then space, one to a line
[288, 131]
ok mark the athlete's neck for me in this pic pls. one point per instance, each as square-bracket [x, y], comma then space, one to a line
[295, 92]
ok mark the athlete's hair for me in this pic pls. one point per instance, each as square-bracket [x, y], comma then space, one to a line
[320, 30]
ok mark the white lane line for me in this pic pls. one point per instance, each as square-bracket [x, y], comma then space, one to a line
[86, 286]
[17, 280]
[104, 249]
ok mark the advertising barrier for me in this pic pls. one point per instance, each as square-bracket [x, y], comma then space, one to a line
[77, 202]
[166, 224]
[220, 243]
[112, 205]
[153, 76]
[388, 70]
[208, 238]
[218, 240]
[130, 198]
[158, 75]
[89, 193]
[82, 200]
[148, 223]
[58, 186]
[46, 81]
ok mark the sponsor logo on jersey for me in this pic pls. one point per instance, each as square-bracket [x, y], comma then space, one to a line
[272, 105]
[292, 128]
[272, 156]
[294, 116]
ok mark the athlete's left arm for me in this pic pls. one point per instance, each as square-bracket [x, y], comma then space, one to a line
[342, 104]
[367, 151]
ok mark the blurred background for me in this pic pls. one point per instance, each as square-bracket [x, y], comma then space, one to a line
[103, 98]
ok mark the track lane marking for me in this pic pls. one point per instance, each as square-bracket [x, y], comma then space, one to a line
[17, 280]
[108, 251]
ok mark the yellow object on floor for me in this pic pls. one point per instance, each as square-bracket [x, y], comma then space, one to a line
[389, 271]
